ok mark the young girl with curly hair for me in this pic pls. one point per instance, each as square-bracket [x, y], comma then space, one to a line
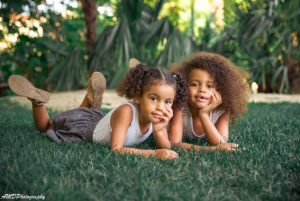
[217, 94]
[154, 92]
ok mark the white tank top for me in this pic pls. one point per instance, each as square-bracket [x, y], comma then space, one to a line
[188, 128]
[102, 131]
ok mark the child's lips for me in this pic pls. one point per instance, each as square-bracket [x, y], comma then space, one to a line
[157, 115]
[201, 98]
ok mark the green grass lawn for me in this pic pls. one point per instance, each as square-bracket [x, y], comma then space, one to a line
[267, 167]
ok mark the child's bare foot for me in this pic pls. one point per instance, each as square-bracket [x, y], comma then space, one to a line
[22, 87]
[95, 90]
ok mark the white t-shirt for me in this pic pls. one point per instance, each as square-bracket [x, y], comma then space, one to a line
[188, 128]
[102, 131]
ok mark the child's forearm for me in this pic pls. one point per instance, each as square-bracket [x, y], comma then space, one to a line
[212, 134]
[189, 147]
[229, 147]
[162, 154]
[162, 139]
[134, 151]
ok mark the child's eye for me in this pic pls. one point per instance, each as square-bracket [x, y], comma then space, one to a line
[169, 102]
[153, 98]
[194, 84]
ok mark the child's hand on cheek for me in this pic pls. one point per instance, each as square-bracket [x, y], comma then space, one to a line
[167, 114]
[215, 101]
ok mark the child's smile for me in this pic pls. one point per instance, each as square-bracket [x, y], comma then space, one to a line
[202, 98]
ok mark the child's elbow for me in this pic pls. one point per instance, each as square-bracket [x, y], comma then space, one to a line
[218, 142]
[116, 149]
[168, 146]
[175, 143]
[165, 146]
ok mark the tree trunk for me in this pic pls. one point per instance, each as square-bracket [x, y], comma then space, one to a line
[294, 74]
[90, 16]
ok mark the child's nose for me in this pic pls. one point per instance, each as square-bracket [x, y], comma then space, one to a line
[202, 89]
[160, 106]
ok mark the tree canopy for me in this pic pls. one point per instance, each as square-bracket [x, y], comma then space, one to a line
[58, 50]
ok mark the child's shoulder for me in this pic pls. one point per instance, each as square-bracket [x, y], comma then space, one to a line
[218, 111]
[216, 114]
[123, 113]
[126, 108]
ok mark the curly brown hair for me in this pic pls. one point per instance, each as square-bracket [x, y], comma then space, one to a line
[141, 77]
[227, 77]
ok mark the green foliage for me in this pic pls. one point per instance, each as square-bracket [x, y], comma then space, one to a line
[176, 48]
[260, 36]
[263, 35]
[39, 58]
[266, 168]
[139, 34]
[9, 7]
[112, 52]
[71, 73]
[29, 59]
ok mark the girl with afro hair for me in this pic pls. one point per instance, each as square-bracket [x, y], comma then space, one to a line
[217, 95]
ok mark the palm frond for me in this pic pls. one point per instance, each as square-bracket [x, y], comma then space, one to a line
[70, 73]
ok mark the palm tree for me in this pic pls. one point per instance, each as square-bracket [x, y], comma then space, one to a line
[138, 33]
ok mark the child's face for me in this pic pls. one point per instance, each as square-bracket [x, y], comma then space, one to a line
[201, 86]
[155, 100]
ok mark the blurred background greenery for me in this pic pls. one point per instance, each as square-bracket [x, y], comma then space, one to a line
[57, 44]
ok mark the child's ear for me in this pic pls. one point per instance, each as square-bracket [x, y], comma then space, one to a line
[137, 100]
[133, 62]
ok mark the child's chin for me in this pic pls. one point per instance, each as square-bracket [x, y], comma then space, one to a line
[156, 120]
[201, 105]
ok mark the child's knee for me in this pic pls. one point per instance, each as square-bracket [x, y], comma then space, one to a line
[40, 128]
[43, 127]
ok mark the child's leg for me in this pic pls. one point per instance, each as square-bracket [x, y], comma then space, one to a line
[88, 102]
[41, 117]
[21, 86]
[95, 90]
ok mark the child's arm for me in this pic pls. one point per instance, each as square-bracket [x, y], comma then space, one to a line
[215, 134]
[160, 132]
[176, 128]
[176, 132]
[120, 122]
[162, 154]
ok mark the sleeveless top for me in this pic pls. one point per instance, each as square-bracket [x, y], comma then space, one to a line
[103, 130]
[188, 128]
